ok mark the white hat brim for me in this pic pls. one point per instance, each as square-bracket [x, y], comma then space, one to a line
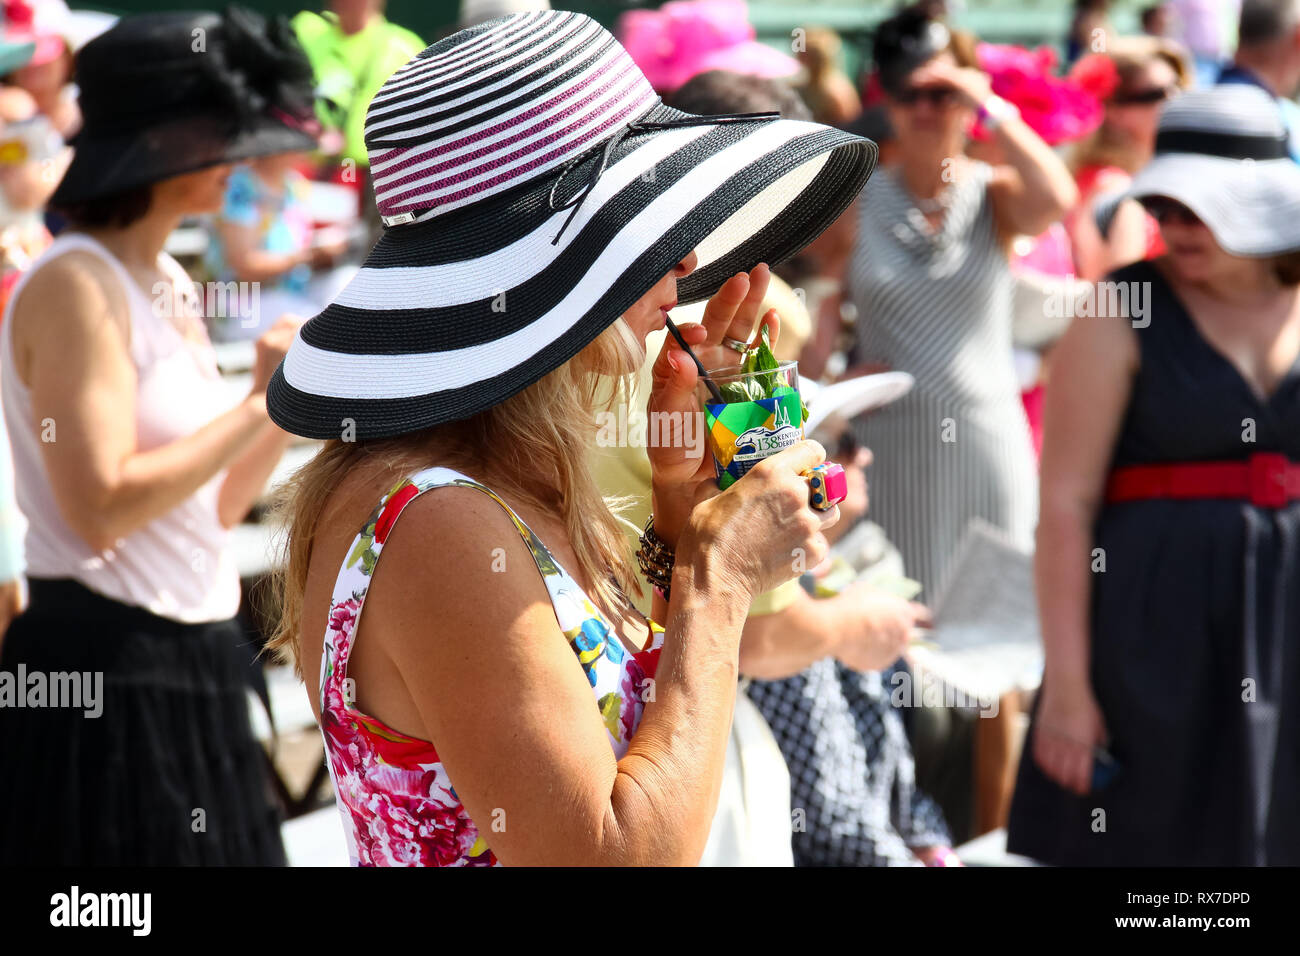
[1252, 208]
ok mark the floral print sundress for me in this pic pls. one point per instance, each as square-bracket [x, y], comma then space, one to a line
[398, 805]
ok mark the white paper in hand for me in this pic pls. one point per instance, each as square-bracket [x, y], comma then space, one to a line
[986, 637]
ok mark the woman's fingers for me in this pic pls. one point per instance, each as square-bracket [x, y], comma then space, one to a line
[1064, 760]
[828, 517]
[672, 359]
[723, 305]
[921, 616]
[733, 310]
[746, 318]
[677, 387]
[800, 457]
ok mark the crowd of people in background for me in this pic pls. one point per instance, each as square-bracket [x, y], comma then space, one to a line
[1008, 177]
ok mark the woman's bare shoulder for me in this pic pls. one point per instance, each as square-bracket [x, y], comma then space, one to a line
[452, 545]
[71, 309]
[72, 290]
[459, 532]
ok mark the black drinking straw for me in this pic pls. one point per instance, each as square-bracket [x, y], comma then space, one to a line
[713, 388]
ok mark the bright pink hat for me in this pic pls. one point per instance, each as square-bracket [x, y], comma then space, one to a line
[686, 37]
[1059, 110]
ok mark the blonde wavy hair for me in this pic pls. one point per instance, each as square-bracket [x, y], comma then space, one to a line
[544, 432]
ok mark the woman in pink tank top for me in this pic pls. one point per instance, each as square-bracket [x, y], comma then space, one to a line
[487, 691]
[131, 466]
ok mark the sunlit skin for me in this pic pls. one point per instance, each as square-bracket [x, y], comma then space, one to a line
[354, 15]
[1138, 121]
[43, 78]
[46, 82]
[193, 194]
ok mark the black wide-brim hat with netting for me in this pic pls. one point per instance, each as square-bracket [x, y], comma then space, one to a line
[534, 187]
[171, 93]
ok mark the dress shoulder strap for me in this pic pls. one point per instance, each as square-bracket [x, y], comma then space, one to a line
[353, 581]
[369, 542]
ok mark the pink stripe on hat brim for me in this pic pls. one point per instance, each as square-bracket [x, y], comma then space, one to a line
[416, 158]
[417, 198]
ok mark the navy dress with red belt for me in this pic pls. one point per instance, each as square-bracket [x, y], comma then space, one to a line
[1195, 628]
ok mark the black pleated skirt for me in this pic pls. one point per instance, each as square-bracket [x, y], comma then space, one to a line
[168, 772]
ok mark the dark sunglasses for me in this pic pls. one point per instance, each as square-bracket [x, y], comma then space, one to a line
[1165, 210]
[1154, 94]
[936, 96]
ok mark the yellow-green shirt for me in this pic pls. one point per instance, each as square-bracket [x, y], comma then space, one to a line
[350, 69]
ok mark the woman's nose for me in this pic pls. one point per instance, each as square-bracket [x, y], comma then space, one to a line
[687, 265]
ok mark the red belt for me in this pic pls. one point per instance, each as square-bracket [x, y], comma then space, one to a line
[1266, 480]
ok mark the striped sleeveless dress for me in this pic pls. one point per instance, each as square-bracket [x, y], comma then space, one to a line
[938, 304]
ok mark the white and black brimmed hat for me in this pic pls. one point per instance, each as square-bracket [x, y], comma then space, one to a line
[533, 188]
[1222, 152]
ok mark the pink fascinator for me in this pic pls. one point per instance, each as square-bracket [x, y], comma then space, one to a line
[1057, 109]
[687, 37]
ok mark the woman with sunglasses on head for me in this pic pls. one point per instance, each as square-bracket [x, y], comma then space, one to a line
[930, 278]
[1132, 79]
[1168, 563]
[500, 700]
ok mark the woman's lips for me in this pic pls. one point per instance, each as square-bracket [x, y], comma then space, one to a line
[663, 311]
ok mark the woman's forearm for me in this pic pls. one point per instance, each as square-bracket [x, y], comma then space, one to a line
[819, 347]
[247, 477]
[666, 791]
[251, 264]
[780, 645]
[258, 265]
[151, 483]
[1049, 189]
[1063, 578]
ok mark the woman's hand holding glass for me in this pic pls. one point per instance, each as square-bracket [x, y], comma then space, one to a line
[679, 465]
[761, 532]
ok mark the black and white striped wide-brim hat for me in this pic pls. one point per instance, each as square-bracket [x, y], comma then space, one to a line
[1223, 153]
[534, 187]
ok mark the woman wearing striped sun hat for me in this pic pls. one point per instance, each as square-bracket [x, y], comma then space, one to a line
[544, 210]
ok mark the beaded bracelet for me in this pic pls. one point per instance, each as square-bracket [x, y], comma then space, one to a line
[655, 558]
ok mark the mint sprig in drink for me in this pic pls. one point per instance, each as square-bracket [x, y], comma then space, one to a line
[762, 412]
